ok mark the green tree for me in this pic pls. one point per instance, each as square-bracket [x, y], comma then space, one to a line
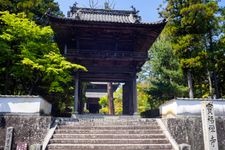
[165, 80]
[219, 56]
[143, 104]
[190, 26]
[34, 9]
[30, 61]
[143, 97]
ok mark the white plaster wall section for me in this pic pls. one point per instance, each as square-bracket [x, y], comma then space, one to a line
[46, 107]
[17, 105]
[219, 108]
[189, 107]
[24, 104]
[169, 109]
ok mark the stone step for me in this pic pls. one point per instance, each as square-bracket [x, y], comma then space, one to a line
[109, 141]
[110, 123]
[109, 147]
[109, 133]
[109, 136]
[84, 131]
[125, 127]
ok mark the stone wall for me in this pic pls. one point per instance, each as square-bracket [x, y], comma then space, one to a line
[29, 129]
[189, 130]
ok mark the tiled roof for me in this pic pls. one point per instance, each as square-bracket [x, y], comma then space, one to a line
[19, 96]
[104, 15]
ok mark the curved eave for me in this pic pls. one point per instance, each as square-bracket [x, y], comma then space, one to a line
[72, 21]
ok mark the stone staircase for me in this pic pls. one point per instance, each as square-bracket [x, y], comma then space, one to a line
[109, 134]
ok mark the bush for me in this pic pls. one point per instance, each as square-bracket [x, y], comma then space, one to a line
[153, 113]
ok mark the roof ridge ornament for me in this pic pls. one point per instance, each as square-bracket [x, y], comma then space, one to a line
[134, 17]
[75, 4]
[72, 10]
[134, 9]
[107, 6]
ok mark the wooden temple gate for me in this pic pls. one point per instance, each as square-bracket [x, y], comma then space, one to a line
[112, 44]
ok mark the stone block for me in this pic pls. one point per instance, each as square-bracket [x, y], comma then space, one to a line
[35, 147]
[184, 147]
[21, 146]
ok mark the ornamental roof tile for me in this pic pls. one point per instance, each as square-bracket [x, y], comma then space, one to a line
[104, 15]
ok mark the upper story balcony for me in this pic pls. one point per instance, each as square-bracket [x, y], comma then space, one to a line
[105, 54]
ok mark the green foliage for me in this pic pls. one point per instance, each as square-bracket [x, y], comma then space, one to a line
[143, 98]
[34, 9]
[143, 103]
[166, 78]
[117, 103]
[30, 61]
[194, 28]
[103, 102]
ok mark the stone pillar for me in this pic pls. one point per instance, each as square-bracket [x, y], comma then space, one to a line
[209, 126]
[76, 92]
[8, 138]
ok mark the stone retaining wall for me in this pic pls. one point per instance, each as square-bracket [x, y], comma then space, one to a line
[29, 129]
[189, 130]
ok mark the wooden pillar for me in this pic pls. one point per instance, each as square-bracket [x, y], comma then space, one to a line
[126, 99]
[134, 91]
[76, 92]
[110, 98]
[80, 98]
[129, 92]
[130, 96]
[65, 49]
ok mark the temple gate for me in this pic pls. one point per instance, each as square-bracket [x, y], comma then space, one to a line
[112, 44]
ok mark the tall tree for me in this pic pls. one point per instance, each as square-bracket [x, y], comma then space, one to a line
[30, 61]
[219, 54]
[166, 76]
[188, 23]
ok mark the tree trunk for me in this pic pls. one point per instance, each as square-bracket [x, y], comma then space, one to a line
[33, 86]
[210, 84]
[216, 83]
[190, 84]
[110, 98]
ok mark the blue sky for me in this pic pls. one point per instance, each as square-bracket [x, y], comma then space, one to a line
[148, 8]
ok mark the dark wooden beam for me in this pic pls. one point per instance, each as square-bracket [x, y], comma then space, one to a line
[104, 77]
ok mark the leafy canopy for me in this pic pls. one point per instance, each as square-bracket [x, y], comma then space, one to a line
[30, 61]
[34, 9]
